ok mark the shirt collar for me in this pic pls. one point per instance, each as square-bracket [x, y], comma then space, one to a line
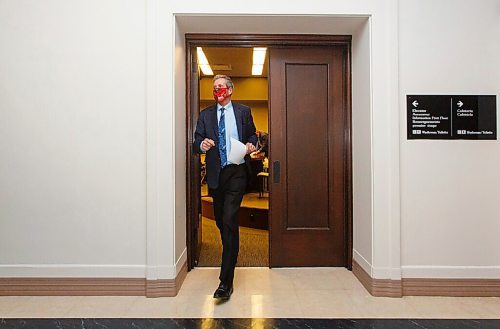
[228, 107]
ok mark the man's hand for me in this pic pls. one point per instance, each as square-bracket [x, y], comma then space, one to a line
[250, 148]
[207, 144]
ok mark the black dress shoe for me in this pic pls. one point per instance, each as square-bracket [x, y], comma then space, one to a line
[223, 291]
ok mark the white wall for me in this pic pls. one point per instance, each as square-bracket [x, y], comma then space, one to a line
[92, 126]
[72, 138]
[92, 114]
[180, 151]
[450, 189]
[362, 178]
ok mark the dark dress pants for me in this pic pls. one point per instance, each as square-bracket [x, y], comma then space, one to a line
[227, 200]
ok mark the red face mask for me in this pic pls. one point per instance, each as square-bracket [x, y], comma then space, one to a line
[220, 94]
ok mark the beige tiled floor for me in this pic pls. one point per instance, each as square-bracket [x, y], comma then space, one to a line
[259, 292]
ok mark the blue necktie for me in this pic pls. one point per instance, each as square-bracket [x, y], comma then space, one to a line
[222, 139]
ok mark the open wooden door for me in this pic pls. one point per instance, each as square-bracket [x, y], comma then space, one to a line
[194, 225]
[309, 148]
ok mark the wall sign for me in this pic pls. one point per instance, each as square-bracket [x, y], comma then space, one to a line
[451, 117]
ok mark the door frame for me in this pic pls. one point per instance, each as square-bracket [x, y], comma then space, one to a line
[192, 113]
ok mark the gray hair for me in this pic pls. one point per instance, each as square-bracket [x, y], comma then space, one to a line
[229, 82]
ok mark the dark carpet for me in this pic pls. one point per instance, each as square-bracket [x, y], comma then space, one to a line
[254, 246]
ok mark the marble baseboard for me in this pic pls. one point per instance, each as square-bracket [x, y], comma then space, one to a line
[92, 286]
[427, 287]
[166, 288]
[451, 287]
[377, 287]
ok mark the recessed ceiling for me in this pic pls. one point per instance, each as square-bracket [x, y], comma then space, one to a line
[232, 61]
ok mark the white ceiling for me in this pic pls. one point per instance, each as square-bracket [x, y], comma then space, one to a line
[263, 24]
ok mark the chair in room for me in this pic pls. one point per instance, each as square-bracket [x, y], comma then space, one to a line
[263, 178]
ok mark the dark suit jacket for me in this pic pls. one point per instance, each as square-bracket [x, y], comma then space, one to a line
[207, 127]
[263, 142]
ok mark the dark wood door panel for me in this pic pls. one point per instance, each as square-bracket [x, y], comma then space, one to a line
[308, 112]
[306, 96]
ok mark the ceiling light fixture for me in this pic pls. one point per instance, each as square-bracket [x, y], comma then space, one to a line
[259, 56]
[203, 62]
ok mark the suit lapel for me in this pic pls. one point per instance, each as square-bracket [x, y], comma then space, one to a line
[239, 120]
[213, 116]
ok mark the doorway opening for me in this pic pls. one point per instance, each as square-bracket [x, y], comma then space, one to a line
[310, 187]
[250, 89]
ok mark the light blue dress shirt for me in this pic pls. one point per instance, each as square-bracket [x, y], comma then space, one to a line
[231, 128]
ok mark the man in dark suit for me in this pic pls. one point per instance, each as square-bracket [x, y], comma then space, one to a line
[262, 142]
[226, 181]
